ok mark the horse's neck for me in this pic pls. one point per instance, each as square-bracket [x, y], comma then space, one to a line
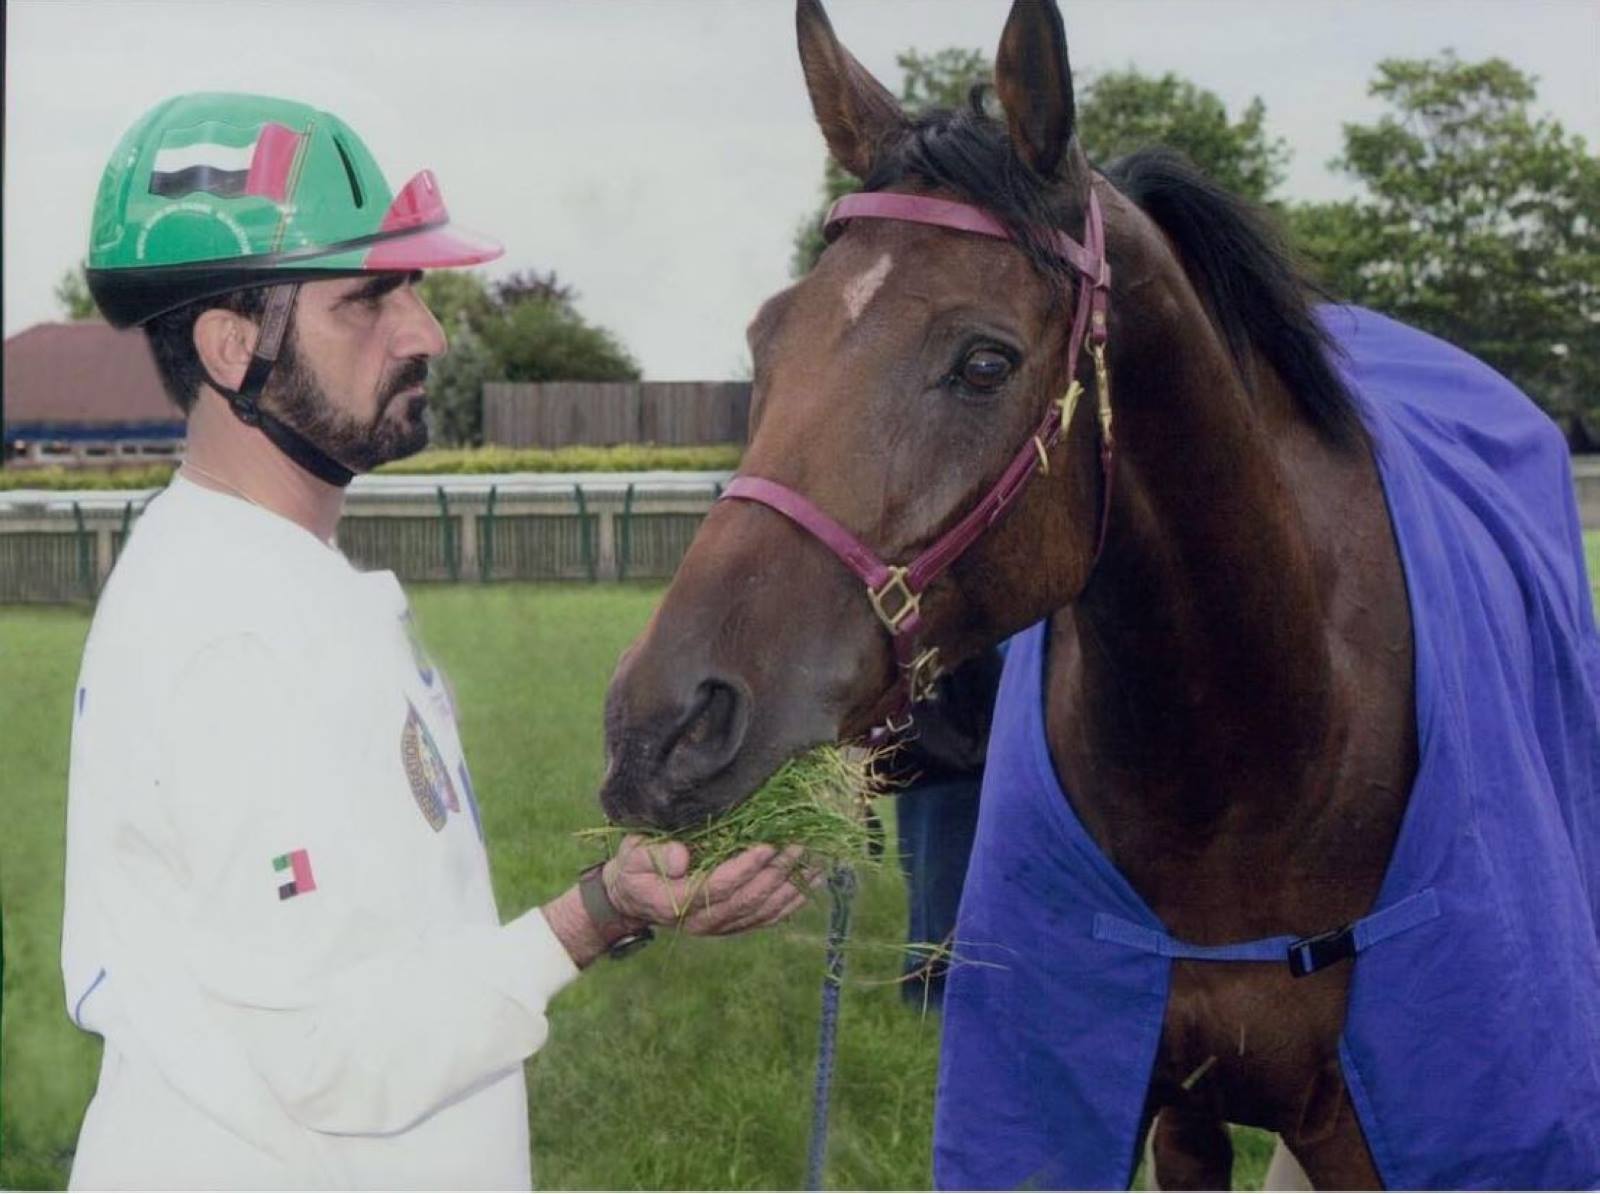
[1194, 681]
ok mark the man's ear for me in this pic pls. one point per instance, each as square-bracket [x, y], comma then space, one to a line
[223, 341]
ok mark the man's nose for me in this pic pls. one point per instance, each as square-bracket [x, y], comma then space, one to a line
[420, 334]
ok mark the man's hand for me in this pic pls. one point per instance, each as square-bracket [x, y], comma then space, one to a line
[647, 883]
[750, 891]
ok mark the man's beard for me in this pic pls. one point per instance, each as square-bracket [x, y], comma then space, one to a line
[296, 397]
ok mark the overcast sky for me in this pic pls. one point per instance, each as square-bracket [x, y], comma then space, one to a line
[659, 154]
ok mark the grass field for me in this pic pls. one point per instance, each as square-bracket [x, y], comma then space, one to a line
[689, 1066]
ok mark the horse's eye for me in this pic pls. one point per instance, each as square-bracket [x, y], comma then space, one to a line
[985, 370]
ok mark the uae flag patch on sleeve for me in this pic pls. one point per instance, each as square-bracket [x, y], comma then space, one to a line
[295, 867]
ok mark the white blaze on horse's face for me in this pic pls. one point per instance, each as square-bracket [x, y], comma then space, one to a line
[859, 291]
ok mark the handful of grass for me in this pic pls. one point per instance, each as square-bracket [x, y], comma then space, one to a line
[818, 800]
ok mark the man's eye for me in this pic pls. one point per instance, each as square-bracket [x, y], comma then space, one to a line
[985, 370]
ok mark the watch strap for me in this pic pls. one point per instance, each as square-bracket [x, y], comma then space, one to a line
[620, 935]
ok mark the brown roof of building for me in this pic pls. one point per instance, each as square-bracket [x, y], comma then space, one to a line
[82, 374]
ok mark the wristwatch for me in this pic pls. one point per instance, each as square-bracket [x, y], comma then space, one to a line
[620, 934]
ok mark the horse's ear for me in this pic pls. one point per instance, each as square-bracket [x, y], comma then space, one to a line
[856, 111]
[1034, 82]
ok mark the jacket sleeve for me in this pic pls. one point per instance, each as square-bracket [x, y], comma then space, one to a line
[360, 1015]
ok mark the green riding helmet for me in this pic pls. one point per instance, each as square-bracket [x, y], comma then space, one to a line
[216, 192]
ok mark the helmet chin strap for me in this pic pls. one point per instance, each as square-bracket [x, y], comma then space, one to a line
[245, 401]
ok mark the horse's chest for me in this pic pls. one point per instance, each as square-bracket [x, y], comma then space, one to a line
[1252, 1041]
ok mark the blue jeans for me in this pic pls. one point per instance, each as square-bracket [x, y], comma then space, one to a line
[937, 822]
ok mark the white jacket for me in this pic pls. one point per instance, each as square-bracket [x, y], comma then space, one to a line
[278, 907]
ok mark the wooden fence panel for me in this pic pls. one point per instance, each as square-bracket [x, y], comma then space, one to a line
[42, 566]
[413, 548]
[555, 414]
[694, 412]
[657, 543]
[540, 546]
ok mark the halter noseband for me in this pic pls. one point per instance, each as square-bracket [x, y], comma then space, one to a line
[896, 591]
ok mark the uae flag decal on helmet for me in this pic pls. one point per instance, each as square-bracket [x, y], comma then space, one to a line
[226, 161]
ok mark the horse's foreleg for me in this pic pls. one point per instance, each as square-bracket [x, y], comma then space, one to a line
[1328, 1140]
[1191, 1150]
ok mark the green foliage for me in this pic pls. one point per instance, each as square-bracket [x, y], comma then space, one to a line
[578, 458]
[524, 327]
[72, 292]
[1118, 112]
[144, 476]
[455, 385]
[942, 79]
[457, 297]
[1121, 111]
[1477, 222]
[536, 340]
[808, 242]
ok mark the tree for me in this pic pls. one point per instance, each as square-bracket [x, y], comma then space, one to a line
[1124, 110]
[532, 286]
[524, 327]
[457, 297]
[1477, 222]
[72, 292]
[1118, 112]
[548, 341]
[455, 387]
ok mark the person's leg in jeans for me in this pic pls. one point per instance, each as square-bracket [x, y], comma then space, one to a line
[937, 822]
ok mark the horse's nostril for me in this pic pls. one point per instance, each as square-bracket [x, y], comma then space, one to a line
[711, 731]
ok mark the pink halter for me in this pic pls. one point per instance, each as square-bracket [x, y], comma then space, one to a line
[896, 591]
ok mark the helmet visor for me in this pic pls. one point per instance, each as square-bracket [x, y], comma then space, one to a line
[436, 242]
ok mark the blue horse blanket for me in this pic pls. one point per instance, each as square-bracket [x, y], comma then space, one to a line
[1471, 1046]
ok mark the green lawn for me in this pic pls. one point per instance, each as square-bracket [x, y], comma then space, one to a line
[689, 1066]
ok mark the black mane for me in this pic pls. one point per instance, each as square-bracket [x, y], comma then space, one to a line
[1236, 259]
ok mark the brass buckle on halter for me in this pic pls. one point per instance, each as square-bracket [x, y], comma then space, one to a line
[923, 674]
[910, 604]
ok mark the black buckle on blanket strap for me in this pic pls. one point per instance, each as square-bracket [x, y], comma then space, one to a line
[1310, 954]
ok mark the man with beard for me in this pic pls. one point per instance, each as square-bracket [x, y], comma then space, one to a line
[278, 906]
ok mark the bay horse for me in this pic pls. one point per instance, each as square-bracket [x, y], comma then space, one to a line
[1228, 682]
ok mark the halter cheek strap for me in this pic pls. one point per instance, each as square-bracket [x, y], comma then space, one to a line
[895, 591]
[245, 402]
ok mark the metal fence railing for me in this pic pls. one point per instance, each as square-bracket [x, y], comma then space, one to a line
[580, 527]
[57, 547]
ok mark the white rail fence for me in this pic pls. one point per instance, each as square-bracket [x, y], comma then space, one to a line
[60, 546]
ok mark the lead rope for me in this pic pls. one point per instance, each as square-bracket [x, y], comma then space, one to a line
[841, 890]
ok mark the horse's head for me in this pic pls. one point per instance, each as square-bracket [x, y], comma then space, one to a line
[895, 386]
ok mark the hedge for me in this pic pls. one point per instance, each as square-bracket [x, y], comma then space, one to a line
[623, 458]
